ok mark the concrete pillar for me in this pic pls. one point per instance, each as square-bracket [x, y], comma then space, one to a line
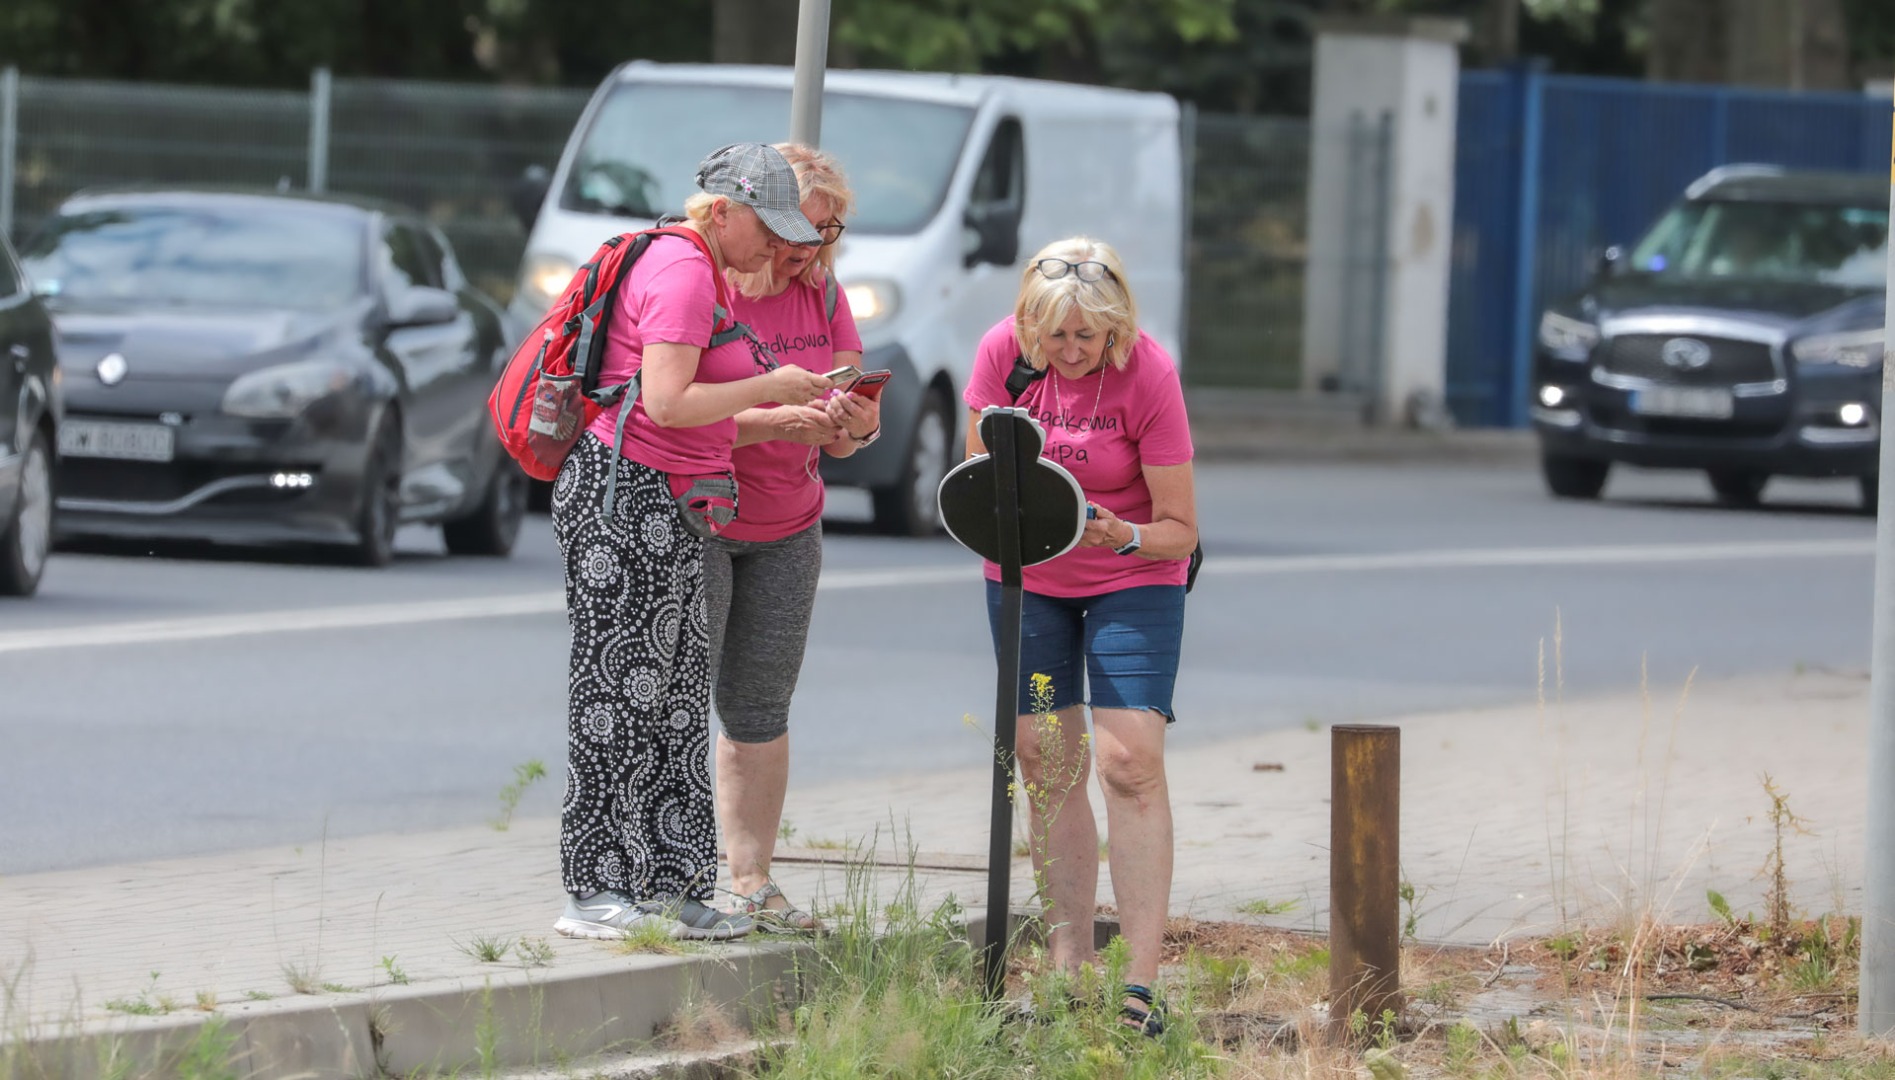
[1409, 69]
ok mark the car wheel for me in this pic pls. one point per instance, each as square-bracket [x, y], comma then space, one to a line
[1871, 492]
[495, 525]
[1738, 487]
[908, 507]
[29, 536]
[1574, 478]
[378, 514]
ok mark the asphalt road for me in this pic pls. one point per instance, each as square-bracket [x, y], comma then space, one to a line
[193, 700]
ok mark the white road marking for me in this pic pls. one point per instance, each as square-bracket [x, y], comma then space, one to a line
[363, 616]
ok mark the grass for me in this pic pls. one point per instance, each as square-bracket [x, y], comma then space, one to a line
[524, 776]
[1267, 907]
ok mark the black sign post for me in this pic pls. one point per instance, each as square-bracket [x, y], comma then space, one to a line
[1015, 508]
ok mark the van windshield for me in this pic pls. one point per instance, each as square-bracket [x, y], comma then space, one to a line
[644, 145]
[1775, 241]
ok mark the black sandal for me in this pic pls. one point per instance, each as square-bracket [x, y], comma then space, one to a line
[1148, 1021]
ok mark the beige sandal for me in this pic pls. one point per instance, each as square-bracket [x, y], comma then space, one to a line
[788, 919]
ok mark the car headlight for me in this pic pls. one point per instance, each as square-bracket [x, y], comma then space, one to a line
[285, 390]
[872, 301]
[544, 277]
[1565, 334]
[1855, 349]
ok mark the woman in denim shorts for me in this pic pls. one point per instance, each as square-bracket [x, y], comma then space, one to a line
[1101, 624]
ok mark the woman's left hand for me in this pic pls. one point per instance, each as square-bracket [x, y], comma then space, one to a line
[858, 416]
[1099, 529]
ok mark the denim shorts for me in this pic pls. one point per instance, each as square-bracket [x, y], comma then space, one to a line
[1127, 642]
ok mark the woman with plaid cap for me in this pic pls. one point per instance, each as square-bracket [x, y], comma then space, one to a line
[638, 838]
[760, 574]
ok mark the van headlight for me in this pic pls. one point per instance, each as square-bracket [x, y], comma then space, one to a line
[544, 277]
[1855, 349]
[873, 300]
[1565, 334]
[285, 390]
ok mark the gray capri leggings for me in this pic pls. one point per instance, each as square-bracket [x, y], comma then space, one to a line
[757, 601]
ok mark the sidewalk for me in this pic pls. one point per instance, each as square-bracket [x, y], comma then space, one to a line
[1513, 819]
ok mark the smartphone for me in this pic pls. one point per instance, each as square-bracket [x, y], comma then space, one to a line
[843, 374]
[869, 385]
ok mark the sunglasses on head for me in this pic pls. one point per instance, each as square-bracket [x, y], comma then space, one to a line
[831, 233]
[1054, 269]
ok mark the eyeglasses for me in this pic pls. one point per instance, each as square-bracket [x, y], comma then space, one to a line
[1054, 269]
[831, 233]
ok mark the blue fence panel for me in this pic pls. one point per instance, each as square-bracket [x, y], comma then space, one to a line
[1611, 155]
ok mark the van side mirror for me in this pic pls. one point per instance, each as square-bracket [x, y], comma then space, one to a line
[1609, 260]
[992, 235]
[529, 193]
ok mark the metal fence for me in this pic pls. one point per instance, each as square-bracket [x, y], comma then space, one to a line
[455, 151]
[451, 151]
[1550, 170]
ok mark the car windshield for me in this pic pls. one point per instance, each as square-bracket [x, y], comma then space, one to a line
[198, 256]
[644, 145]
[1834, 245]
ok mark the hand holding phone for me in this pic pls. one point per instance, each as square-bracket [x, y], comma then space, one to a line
[869, 384]
[844, 374]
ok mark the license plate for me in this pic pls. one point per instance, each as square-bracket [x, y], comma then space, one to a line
[1696, 402]
[125, 442]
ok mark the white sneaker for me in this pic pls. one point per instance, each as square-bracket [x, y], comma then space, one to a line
[610, 915]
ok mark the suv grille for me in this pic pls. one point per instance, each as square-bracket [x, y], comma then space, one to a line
[1641, 356]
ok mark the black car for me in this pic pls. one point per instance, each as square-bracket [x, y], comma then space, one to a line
[1742, 336]
[259, 367]
[29, 430]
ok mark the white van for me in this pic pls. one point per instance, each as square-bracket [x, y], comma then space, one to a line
[958, 180]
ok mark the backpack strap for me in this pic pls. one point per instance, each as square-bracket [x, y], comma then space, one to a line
[1022, 376]
[830, 294]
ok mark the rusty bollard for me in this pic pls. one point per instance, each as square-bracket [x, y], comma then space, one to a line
[1364, 877]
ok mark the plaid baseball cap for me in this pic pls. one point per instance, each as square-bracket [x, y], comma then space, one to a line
[757, 176]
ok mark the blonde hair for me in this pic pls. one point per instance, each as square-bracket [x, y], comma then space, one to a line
[697, 215]
[1106, 305]
[818, 176]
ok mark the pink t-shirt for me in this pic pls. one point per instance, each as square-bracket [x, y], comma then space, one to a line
[1138, 420]
[668, 297]
[779, 490]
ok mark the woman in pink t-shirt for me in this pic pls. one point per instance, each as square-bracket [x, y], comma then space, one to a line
[638, 837]
[760, 573]
[1102, 624]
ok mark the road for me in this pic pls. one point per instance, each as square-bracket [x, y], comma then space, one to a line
[195, 701]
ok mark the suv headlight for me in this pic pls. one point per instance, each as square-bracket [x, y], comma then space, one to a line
[1855, 349]
[543, 277]
[872, 301]
[285, 390]
[1565, 334]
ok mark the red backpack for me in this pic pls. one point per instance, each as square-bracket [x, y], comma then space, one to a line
[549, 391]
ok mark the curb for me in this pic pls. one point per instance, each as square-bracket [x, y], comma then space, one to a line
[601, 1015]
[1239, 424]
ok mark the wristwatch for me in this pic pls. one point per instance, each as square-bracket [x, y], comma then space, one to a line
[1130, 545]
[869, 438]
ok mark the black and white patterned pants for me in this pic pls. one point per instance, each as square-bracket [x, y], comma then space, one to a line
[637, 817]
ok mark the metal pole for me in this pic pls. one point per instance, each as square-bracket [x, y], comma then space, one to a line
[1006, 457]
[1875, 1011]
[1364, 875]
[812, 56]
[1529, 82]
[9, 142]
[1380, 267]
[319, 130]
[1188, 155]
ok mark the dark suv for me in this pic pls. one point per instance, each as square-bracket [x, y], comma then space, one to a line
[1742, 336]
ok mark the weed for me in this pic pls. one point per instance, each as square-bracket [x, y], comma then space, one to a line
[148, 1002]
[340, 988]
[534, 952]
[302, 978]
[1777, 903]
[1267, 907]
[209, 1056]
[486, 949]
[650, 936]
[524, 774]
[395, 974]
[259, 995]
[786, 832]
[1720, 906]
[1411, 917]
[206, 1001]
